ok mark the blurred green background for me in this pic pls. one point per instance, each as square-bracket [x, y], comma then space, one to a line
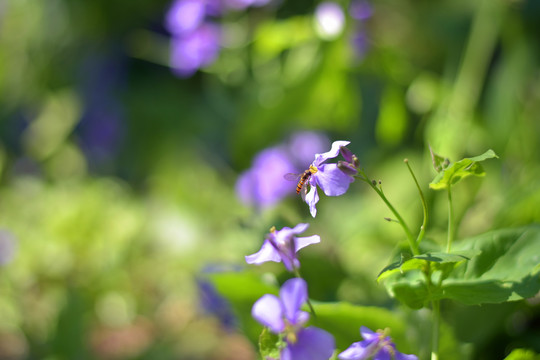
[117, 188]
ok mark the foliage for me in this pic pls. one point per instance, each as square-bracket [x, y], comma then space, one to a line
[121, 233]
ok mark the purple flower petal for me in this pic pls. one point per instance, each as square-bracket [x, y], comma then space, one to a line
[302, 242]
[311, 344]
[184, 16]
[401, 356]
[293, 294]
[268, 311]
[368, 334]
[358, 351]
[285, 235]
[289, 261]
[282, 245]
[332, 180]
[197, 49]
[383, 354]
[334, 151]
[300, 228]
[266, 253]
[312, 198]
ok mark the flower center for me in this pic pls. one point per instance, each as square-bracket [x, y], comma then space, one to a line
[313, 169]
[290, 333]
[384, 342]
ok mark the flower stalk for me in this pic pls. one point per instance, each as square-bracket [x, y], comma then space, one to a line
[424, 205]
[379, 191]
[450, 221]
[436, 314]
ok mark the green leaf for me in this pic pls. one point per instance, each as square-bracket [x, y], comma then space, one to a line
[343, 320]
[269, 344]
[242, 289]
[439, 163]
[460, 170]
[522, 354]
[418, 262]
[414, 294]
[507, 268]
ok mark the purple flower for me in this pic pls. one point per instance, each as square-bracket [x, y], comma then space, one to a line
[360, 10]
[331, 180]
[330, 20]
[302, 145]
[376, 345]
[214, 303]
[360, 43]
[184, 16]
[194, 50]
[282, 245]
[283, 316]
[263, 185]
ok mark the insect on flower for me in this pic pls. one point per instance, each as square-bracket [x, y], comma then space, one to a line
[302, 179]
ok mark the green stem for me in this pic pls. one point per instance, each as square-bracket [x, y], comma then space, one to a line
[311, 309]
[424, 205]
[436, 313]
[410, 237]
[450, 220]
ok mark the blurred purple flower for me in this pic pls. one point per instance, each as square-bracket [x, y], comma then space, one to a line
[302, 145]
[282, 245]
[7, 247]
[194, 50]
[360, 10]
[376, 345]
[360, 44]
[263, 184]
[283, 315]
[330, 19]
[331, 180]
[185, 16]
[213, 303]
[101, 128]
[195, 41]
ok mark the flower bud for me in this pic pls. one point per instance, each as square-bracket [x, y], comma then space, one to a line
[347, 168]
[355, 161]
[346, 153]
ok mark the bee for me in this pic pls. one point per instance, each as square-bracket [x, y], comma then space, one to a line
[302, 179]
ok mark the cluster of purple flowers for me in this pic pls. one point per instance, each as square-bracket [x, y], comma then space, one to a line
[360, 11]
[196, 36]
[330, 21]
[283, 314]
[263, 185]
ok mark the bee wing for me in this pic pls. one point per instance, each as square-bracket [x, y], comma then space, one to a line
[292, 176]
[304, 191]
